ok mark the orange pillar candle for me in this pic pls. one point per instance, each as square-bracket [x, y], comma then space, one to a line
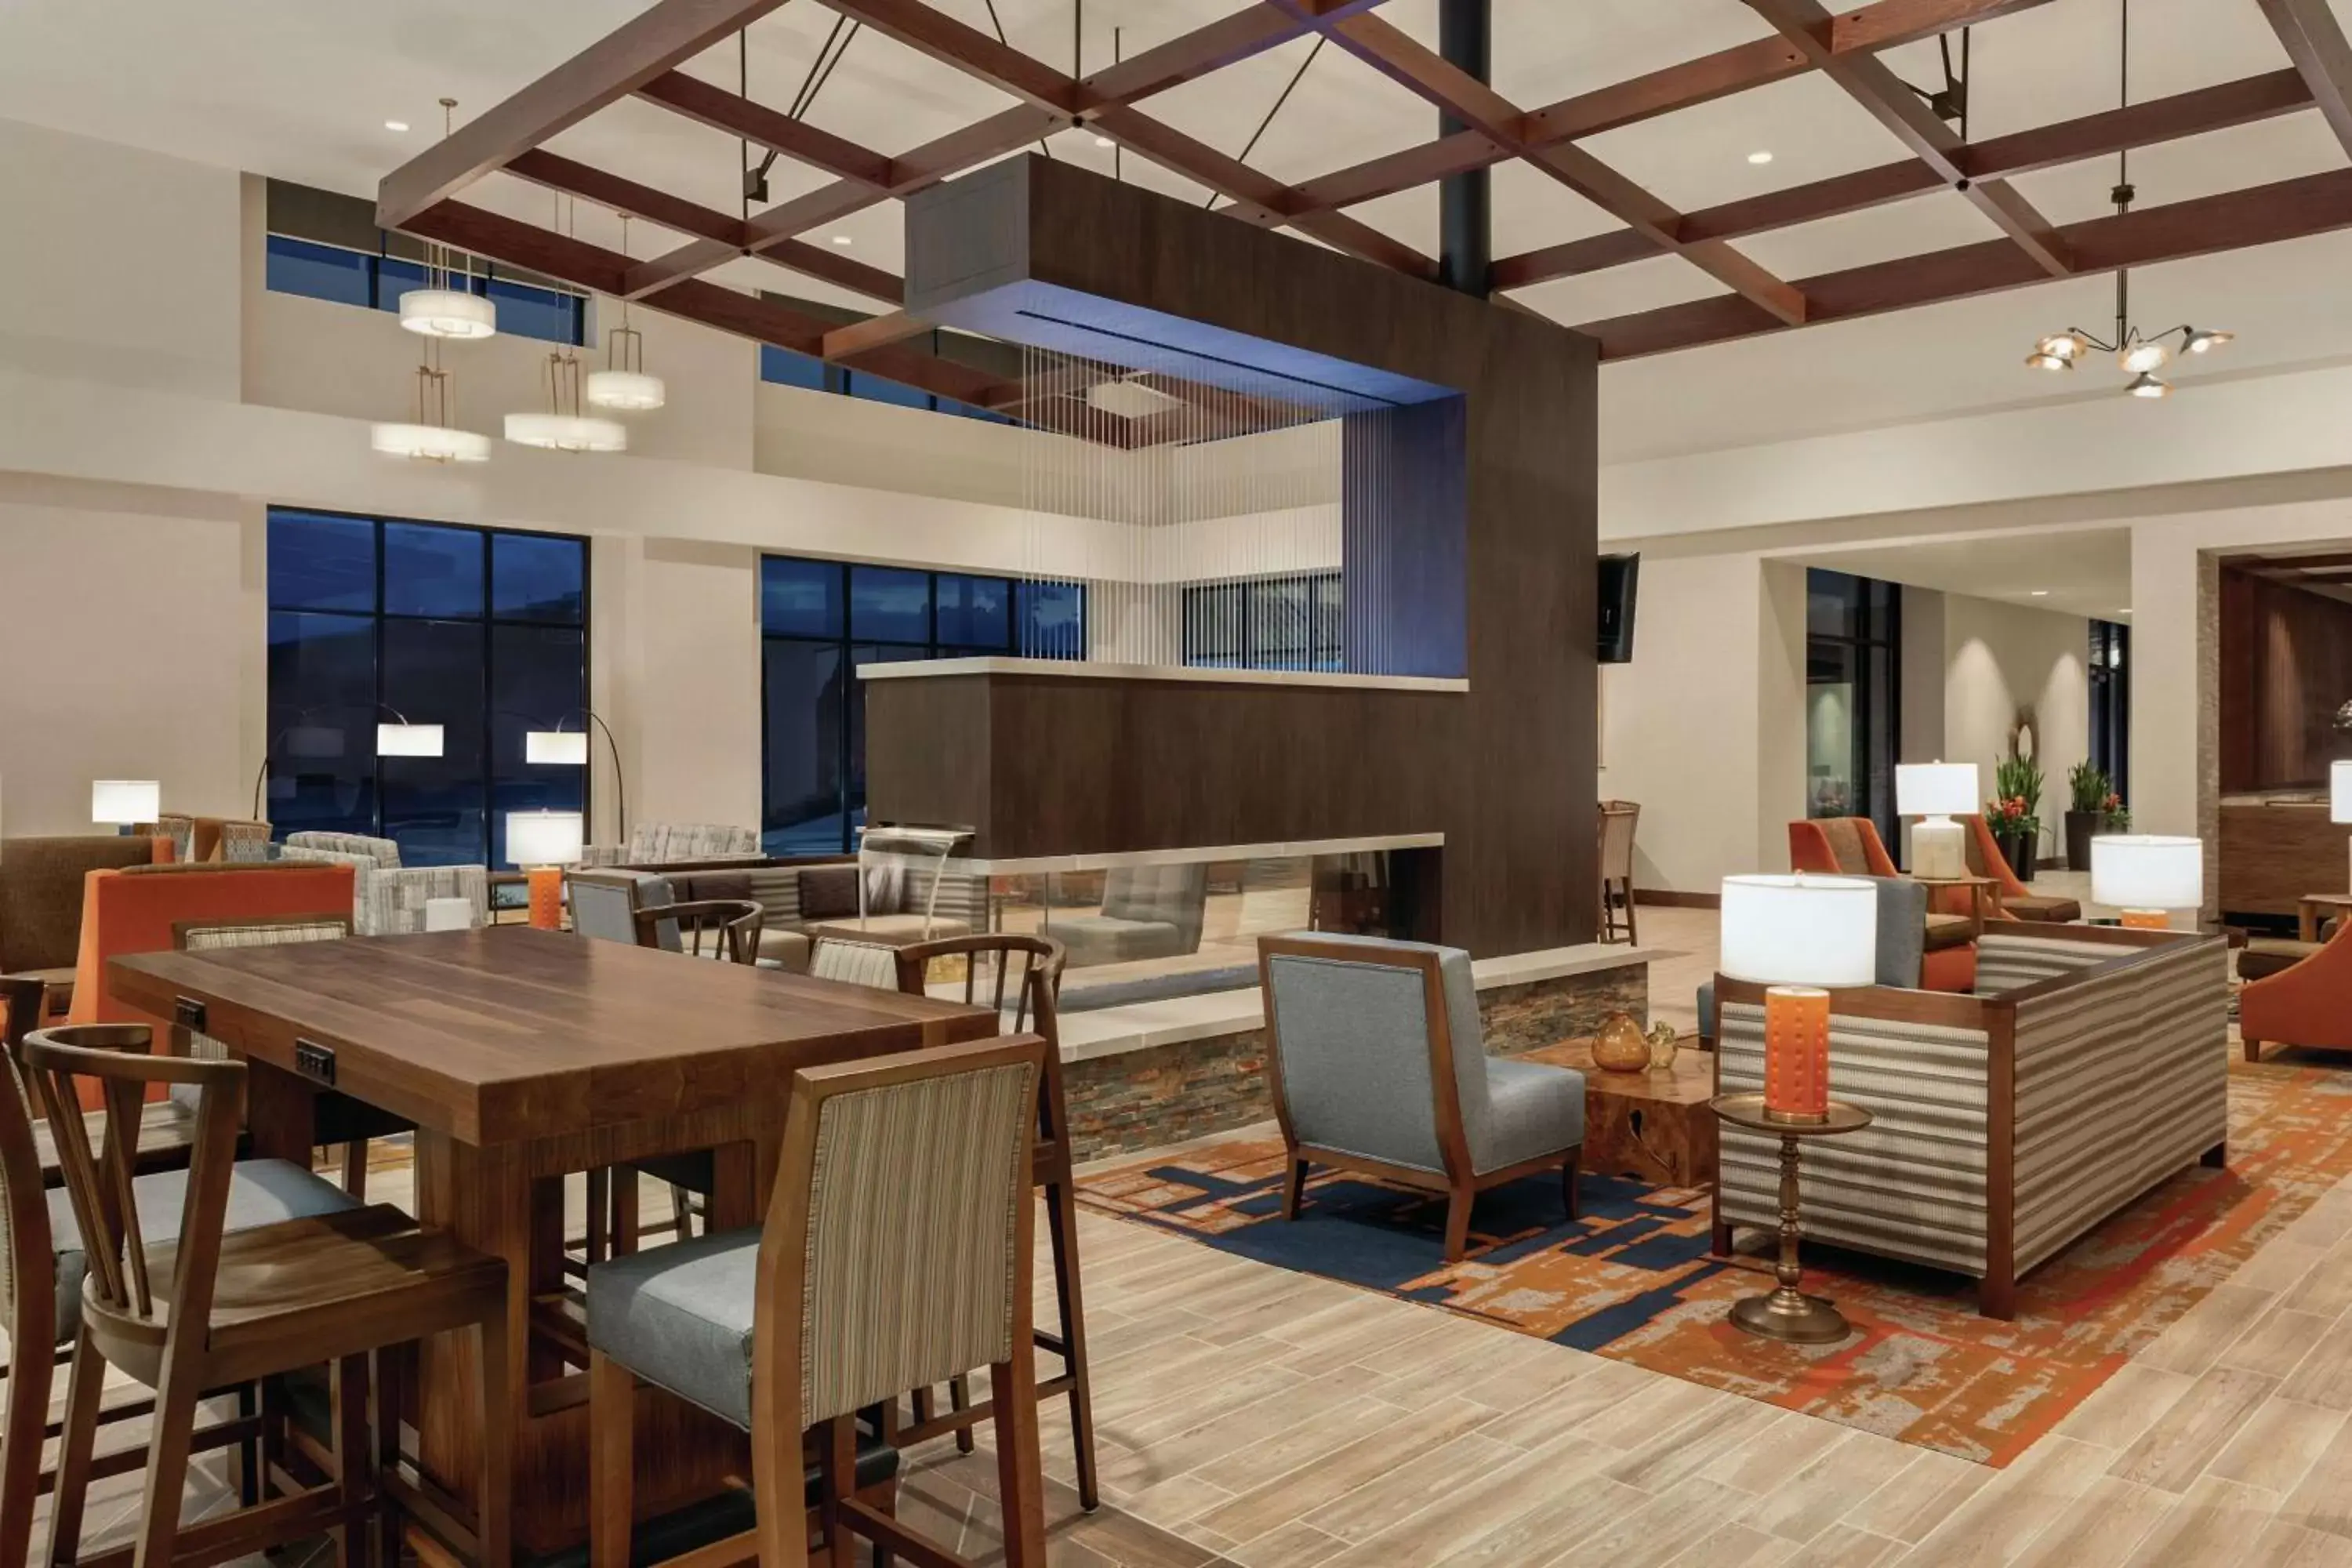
[1796, 1053]
[546, 897]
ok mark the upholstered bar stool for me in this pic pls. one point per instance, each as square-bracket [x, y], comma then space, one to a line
[1031, 966]
[894, 1255]
[230, 1273]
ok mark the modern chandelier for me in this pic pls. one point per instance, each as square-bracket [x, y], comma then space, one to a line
[2140, 355]
[448, 307]
[623, 385]
[563, 427]
[433, 436]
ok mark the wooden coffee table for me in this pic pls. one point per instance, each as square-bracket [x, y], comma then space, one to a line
[1652, 1126]
[2313, 907]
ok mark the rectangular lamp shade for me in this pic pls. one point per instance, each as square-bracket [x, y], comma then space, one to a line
[1800, 931]
[2339, 792]
[1936, 789]
[562, 748]
[2147, 871]
[406, 739]
[544, 837]
[314, 741]
[120, 802]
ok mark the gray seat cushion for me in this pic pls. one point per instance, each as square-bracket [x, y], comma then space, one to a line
[1532, 1109]
[260, 1192]
[680, 1316]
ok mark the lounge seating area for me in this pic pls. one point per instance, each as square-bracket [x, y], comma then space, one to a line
[1260, 783]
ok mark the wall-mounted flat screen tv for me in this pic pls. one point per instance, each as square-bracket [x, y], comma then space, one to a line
[1620, 575]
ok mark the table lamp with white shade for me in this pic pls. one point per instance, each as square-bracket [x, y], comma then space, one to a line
[2339, 792]
[2147, 876]
[1935, 792]
[124, 803]
[1798, 936]
[542, 843]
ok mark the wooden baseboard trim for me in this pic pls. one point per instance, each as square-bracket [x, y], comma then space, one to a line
[1668, 898]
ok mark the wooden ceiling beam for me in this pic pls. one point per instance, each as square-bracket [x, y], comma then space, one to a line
[1682, 86]
[2315, 43]
[2234, 220]
[706, 105]
[671, 33]
[874, 332]
[544, 168]
[593, 266]
[2193, 113]
[1191, 56]
[1463, 97]
[1871, 83]
[923, 28]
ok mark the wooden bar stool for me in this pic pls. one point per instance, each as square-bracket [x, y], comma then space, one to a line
[895, 1254]
[185, 1302]
[1032, 965]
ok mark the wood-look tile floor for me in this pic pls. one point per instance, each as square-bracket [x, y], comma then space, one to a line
[1253, 1416]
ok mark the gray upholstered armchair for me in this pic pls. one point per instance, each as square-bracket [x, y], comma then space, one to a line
[1148, 911]
[1378, 1064]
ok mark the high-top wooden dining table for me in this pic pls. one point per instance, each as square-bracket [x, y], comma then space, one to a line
[522, 1057]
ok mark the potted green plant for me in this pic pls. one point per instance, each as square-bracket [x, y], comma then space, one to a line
[2014, 814]
[2090, 793]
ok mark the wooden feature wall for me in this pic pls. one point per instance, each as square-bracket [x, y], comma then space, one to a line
[2287, 666]
[1505, 771]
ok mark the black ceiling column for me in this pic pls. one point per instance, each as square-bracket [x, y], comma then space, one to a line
[1464, 226]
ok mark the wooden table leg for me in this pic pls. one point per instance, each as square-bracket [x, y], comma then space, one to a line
[488, 1199]
[281, 1115]
[2306, 920]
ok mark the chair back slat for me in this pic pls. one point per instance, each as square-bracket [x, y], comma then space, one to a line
[898, 1242]
[115, 1058]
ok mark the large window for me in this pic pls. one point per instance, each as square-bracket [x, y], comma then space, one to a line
[483, 633]
[1854, 683]
[377, 280]
[785, 368]
[2111, 703]
[822, 621]
[1272, 623]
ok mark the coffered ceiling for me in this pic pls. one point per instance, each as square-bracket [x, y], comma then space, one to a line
[301, 89]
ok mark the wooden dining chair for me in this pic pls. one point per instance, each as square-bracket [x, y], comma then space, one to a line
[341, 1121]
[1030, 968]
[185, 1302]
[853, 962]
[41, 1267]
[725, 929]
[895, 1254]
[1619, 820]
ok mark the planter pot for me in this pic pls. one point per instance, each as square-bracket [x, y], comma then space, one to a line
[2081, 827]
[2017, 848]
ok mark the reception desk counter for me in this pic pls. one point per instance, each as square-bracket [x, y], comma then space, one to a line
[2275, 848]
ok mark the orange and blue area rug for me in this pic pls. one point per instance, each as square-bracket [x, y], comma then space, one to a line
[1632, 1279]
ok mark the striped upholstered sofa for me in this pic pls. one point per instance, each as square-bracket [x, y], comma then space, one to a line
[2090, 1064]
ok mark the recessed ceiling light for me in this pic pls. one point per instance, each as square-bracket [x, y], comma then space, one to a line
[1104, 142]
[395, 125]
[1759, 156]
[843, 239]
[2040, 592]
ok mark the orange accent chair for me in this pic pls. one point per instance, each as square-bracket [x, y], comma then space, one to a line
[132, 909]
[2017, 901]
[2306, 1004]
[1849, 846]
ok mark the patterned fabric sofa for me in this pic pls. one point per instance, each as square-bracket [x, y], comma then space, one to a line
[671, 843]
[227, 840]
[803, 902]
[387, 898]
[2087, 1068]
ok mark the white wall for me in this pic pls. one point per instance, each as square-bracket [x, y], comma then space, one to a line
[1691, 725]
[2000, 659]
[126, 639]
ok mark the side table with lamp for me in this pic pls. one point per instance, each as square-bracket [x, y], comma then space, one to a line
[544, 843]
[1799, 936]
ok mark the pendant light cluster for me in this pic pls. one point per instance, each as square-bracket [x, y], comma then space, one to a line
[446, 308]
[2139, 354]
